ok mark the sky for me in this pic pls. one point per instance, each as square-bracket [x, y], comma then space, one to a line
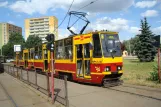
[122, 16]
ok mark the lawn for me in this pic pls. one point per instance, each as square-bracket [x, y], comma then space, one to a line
[136, 72]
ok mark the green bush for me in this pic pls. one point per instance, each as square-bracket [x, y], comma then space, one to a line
[154, 74]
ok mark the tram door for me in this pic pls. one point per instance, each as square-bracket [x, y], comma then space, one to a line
[83, 60]
[45, 58]
[26, 59]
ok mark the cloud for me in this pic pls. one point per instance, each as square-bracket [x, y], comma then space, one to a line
[3, 4]
[107, 23]
[157, 30]
[11, 22]
[105, 5]
[113, 24]
[150, 13]
[63, 33]
[146, 4]
[42, 6]
[18, 15]
[134, 30]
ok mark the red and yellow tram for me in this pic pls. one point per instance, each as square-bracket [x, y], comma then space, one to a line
[95, 57]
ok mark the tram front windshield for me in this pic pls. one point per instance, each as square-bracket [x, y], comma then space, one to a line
[111, 46]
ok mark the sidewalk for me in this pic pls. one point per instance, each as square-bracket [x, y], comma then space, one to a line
[21, 94]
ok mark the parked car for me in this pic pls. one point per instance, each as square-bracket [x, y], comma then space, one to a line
[9, 60]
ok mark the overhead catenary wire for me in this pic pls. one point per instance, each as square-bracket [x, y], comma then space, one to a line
[77, 10]
[87, 5]
[65, 16]
[80, 16]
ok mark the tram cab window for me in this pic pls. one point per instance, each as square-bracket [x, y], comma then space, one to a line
[68, 48]
[97, 52]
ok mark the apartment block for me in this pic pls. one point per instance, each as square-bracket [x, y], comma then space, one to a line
[41, 27]
[5, 30]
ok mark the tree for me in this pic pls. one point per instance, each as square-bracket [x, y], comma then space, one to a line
[14, 39]
[33, 41]
[130, 45]
[144, 48]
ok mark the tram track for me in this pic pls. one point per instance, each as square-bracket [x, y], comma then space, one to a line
[8, 95]
[124, 89]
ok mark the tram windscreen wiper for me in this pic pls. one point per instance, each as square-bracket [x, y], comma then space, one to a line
[113, 51]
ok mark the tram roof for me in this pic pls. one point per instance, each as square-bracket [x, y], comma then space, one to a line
[95, 32]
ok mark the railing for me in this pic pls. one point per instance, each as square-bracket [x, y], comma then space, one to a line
[42, 82]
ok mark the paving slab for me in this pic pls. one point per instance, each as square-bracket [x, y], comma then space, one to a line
[21, 95]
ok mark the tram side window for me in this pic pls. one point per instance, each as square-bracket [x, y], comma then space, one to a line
[59, 50]
[97, 53]
[20, 56]
[68, 48]
[32, 54]
[45, 54]
[29, 55]
[38, 52]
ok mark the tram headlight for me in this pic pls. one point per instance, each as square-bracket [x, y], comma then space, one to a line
[107, 69]
[118, 68]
